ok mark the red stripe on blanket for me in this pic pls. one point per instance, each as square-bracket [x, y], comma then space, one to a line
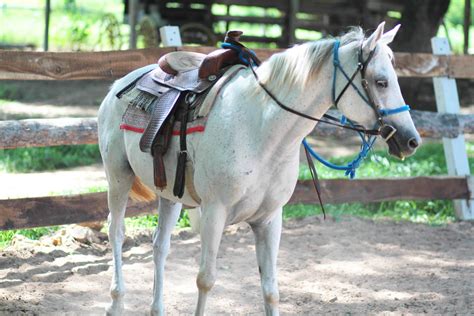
[191, 130]
[131, 128]
[195, 129]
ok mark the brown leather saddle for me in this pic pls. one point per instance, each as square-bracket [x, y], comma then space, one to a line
[179, 83]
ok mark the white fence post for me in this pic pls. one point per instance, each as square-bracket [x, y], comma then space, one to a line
[170, 36]
[447, 101]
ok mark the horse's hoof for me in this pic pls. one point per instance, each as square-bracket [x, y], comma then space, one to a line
[157, 311]
[114, 309]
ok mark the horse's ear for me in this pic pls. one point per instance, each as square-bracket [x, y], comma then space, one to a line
[388, 37]
[370, 43]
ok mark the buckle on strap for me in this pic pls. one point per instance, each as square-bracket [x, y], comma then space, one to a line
[387, 131]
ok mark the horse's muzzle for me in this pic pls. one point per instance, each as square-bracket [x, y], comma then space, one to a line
[400, 143]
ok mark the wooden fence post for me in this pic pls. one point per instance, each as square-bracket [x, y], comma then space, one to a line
[132, 21]
[447, 101]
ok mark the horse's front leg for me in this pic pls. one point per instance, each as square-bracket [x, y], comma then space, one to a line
[168, 215]
[213, 220]
[267, 241]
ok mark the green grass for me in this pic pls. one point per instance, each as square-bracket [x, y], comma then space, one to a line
[33, 233]
[47, 158]
[426, 212]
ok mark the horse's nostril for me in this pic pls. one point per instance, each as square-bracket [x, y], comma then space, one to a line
[413, 143]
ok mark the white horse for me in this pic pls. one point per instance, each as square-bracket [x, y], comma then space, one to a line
[246, 162]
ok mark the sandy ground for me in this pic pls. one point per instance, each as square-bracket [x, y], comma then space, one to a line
[348, 266]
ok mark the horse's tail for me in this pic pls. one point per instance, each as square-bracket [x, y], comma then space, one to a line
[140, 192]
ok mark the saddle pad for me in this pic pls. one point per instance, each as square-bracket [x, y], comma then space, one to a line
[136, 120]
[161, 110]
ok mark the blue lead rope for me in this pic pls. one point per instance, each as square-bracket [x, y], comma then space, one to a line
[351, 167]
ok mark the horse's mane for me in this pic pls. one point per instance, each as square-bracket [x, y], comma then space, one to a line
[299, 64]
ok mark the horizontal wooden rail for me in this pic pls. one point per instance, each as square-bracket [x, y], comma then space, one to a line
[59, 210]
[110, 65]
[76, 131]
[429, 124]
[335, 191]
[48, 132]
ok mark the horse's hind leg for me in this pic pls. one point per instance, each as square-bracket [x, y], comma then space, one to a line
[267, 240]
[168, 215]
[120, 182]
[213, 220]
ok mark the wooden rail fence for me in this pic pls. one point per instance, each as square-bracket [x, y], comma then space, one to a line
[80, 131]
[55, 210]
[58, 210]
[114, 64]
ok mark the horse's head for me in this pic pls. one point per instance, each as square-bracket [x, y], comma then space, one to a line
[371, 96]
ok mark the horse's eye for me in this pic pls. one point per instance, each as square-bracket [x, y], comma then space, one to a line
[382, 83]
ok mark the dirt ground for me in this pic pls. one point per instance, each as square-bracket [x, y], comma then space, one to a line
[348, 266]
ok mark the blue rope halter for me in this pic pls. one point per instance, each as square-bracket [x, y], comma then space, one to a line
[367, 141]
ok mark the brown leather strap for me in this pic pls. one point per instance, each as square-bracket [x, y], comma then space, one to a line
[158, 150]
[314, 176]
[309, 117]
[190, 182]
[180, 179]
[159, 172]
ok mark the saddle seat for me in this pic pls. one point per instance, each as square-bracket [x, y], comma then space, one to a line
[176, 62]
[206, 66]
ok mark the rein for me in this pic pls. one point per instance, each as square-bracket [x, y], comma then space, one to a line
[357, 128]
[386, 131]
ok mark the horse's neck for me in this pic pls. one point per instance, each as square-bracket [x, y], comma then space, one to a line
[286, 130]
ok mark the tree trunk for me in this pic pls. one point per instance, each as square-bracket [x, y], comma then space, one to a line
[420, 22]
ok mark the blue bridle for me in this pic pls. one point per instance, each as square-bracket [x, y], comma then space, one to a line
[387, 131]
[361, 67]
